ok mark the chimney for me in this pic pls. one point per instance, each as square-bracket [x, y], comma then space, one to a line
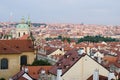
[81, 51]
[10, 79]
[99, 59]
[42, 71]
[96, 75]
[111, 76]
[25, 69]
[88, 50]
[59, 73]
[62, 49]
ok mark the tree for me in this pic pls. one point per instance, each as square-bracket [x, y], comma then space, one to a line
[2, 78]
[41, 63]
[96, 39]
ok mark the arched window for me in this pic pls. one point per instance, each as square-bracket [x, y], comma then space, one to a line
[4, 63]
[23, 60]
[24, 33]
[19, 34]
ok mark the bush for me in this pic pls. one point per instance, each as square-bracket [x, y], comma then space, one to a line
[2, 78]
[41, 63]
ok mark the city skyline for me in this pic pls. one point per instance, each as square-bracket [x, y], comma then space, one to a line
[62, 11]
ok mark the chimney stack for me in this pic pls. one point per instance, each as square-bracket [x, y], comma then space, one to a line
[99, 59]
[96, 75]
[81, 51]
[88, 50]
[25, 69]
[111, 76]
[59, 73]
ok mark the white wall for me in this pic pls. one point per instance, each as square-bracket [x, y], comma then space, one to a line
[83, 69]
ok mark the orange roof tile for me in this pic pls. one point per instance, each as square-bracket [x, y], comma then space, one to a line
[35, 70]
[110, 58]
[16, 46]
[24, 37]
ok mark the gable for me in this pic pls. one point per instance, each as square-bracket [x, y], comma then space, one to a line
[83, 69]
[57, 52]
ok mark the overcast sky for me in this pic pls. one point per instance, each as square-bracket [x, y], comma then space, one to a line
[62, 11]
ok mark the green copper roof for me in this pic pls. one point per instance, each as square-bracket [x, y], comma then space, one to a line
[22, 26]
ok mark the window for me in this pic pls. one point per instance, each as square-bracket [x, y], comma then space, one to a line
[19, 34]
[24, 33]
[23, 60]
[4, 64]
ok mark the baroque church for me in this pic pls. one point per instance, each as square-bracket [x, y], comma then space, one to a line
[23, 28]
[14, 53]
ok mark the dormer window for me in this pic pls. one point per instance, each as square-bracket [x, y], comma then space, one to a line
[58, 64]
[17, 46]
[4, 48]
[66, 56]
[65, 66]
[29, 46]
[73, 59]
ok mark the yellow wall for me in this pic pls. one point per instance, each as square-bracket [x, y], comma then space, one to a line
[83, 69]
[14, 63]
[57, 52]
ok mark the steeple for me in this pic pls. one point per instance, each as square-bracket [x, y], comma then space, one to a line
[29, 22]
[22, 20]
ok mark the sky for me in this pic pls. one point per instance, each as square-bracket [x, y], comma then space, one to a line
[106, 12]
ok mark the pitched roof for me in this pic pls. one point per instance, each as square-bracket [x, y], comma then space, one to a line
[7, 49]
[49, 49]
[24, 37]
[100, 77]
[15, 46]
[35, 70]
[66, 62]
[19, 76]
[110, 58]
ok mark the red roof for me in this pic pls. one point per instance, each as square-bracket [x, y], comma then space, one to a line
[66, 62]
[15, 46]
[35, 70]
[24, 37]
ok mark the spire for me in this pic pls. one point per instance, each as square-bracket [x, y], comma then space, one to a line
[23, 20]
[29, 22]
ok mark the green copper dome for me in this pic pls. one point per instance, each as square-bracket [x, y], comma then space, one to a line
[22, 26]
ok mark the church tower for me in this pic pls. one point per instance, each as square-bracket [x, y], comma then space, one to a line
[22, 29]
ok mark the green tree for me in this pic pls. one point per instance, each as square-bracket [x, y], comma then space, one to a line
[2, 78]
[47, 39]
[41, 63]
[60, 37]
[96, 39]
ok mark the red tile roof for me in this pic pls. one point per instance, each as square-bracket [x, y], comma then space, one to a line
[35, 70]
[15, 46]
[110, 58]
[66, 62]
[24, 37]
